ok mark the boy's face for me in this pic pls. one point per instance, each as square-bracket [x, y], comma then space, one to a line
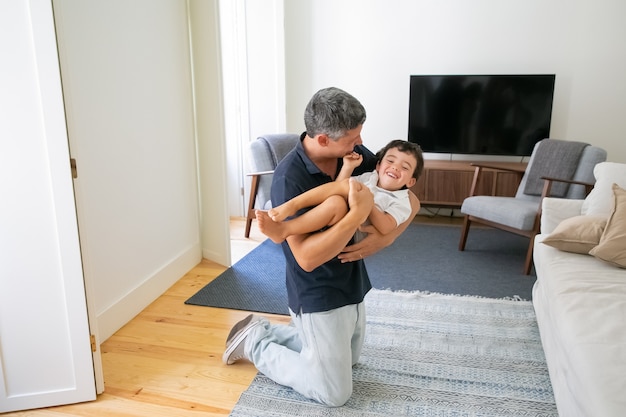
[396, 170]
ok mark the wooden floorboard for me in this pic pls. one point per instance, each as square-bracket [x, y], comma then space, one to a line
[167, 360]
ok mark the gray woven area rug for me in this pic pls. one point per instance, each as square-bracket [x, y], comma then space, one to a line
[432, 355]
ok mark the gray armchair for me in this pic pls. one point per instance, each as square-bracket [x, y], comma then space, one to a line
[265, 153]
[556, 168]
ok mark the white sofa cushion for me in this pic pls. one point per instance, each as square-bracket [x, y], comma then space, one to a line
[555, 210]
[599, 200]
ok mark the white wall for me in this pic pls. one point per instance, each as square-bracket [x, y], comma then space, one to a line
[127, 83]
[370, 48]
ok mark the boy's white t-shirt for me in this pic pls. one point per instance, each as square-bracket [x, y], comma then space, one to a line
[396, 203]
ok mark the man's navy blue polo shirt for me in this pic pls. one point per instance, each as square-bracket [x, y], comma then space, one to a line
[333, 284]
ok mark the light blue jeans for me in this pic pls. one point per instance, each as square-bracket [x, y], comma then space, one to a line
[314, 355]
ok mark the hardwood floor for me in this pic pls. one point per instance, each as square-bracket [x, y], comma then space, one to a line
[167, 360]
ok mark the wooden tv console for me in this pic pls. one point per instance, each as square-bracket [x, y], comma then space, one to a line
[448, 183]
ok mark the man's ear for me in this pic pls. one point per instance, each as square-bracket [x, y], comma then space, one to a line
[322, 139]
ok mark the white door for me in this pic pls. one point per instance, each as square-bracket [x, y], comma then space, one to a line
[45, 352]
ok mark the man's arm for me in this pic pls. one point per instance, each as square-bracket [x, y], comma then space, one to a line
[376, 241]
[313, 250]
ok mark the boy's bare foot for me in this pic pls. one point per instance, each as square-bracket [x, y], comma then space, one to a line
[280, 213]
[274, 230]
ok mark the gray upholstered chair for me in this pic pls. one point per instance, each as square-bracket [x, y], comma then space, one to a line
[556, 168]
[265, 153]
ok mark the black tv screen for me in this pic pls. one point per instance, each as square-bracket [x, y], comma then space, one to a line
[480, 114]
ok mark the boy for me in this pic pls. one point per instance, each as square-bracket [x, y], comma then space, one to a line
[400, 163]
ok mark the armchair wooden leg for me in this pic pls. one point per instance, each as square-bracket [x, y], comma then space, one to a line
[536, 227]
[529, 255]
[254, 188]
[248, 224]
[529, 259]
[464, 232]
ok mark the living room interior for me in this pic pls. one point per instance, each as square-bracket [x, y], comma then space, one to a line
[117, 116]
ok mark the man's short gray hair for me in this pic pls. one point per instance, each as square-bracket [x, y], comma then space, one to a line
[333, 112]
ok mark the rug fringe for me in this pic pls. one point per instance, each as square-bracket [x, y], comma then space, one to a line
[419, 293]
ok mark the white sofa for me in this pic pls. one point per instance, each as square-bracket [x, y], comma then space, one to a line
[580, 296]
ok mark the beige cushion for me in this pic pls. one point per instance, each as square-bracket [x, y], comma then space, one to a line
[612, 246]
[599, 201]
[577, 234]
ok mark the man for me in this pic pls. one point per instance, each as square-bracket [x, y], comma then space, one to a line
[326, 279]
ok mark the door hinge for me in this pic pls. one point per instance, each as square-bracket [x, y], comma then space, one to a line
[94, 348]
[73, 167]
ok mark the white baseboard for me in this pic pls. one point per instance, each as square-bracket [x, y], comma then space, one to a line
[222, 257]
[120, 313]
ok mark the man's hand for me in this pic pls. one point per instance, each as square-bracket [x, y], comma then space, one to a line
[360, 200]
[372, 243]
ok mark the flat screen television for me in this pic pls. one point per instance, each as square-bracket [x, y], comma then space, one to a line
[480, 114]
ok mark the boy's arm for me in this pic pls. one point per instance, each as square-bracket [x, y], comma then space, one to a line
[375, 240]
[382, 221]
[350, 162]
[344, 174]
